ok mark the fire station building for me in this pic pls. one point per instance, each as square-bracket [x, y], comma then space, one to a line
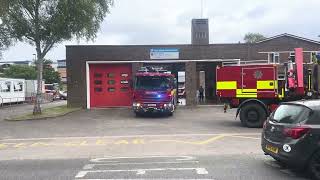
[102, 75]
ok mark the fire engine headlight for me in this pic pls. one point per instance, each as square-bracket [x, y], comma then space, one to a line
[135, 104]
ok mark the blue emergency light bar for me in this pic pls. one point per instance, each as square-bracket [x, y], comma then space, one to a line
[152, 69]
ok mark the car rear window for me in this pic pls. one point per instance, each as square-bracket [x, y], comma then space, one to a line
[291, 114]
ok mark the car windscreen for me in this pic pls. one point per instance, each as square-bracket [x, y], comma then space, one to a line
[290, 114]
[152, 83]
[49, 87]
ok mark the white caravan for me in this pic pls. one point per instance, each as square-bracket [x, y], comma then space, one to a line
[12, 90]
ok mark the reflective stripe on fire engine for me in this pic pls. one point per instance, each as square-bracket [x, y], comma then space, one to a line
[248, 94]
[270, 84]
[282, 94]
[248, 90]
[226, 85]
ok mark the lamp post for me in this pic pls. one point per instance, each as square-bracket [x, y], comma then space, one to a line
[35, 58]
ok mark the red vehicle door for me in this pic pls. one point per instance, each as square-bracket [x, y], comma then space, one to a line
[259, 80]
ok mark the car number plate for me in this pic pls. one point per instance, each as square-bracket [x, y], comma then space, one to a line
[152, 105]
[272, 149]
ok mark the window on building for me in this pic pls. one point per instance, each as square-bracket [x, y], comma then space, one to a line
[97, 75]
[274, 58]
[111, 82]
[124, 89]
[97, 89]
[124, 75]
[292, 56]
[315, 57]
[97, 82]
[110, 75]
[111, 89]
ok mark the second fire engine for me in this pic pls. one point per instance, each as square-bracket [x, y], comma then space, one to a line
[256, 90]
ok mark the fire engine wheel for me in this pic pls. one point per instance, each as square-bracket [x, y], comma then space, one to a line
[138, 114]
[252, 115]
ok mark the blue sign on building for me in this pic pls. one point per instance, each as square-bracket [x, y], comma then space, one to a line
[164, 53]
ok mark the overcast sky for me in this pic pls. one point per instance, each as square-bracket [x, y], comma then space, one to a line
[169, 22]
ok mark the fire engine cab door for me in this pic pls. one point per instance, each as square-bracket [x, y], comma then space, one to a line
[259, 80]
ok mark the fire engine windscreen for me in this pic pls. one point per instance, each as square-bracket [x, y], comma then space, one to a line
[152, 83]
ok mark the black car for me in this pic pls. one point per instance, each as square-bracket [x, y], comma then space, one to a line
[291, 135]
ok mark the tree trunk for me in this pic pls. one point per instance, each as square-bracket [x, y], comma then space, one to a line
[37, 104]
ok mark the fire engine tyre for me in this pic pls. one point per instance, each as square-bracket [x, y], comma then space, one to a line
[252, 115]
[138, 114]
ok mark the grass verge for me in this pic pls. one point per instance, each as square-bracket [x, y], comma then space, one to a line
[46, 113]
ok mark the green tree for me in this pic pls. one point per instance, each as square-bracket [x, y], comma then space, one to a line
[29, 72]
[45, 23]
[20, 71]
[253, 37]
[49, 74]
[4, 39]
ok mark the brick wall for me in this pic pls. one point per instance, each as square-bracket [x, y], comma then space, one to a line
[77, 56]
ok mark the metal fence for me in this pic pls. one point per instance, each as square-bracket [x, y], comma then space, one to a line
[11, 100]
[30, 99]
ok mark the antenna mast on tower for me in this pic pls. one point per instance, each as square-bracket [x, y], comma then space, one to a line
[201, 8]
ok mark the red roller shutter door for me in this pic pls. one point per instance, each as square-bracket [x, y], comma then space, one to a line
[110, 85]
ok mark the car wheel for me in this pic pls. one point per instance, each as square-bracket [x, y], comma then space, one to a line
[252, 115]
[314, 166]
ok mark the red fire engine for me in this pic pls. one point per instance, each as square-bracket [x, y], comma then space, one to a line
[154, 91]
[256, 90]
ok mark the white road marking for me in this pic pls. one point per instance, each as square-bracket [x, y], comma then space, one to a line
[129, 136]
[141, 172]
[105, 159]
[82, 174]
[147, 179]
[91, 166]
[88, 166]
[201, 171]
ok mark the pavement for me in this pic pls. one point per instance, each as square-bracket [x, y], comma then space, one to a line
[197, 143]
[20, 109]
[119, 122]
